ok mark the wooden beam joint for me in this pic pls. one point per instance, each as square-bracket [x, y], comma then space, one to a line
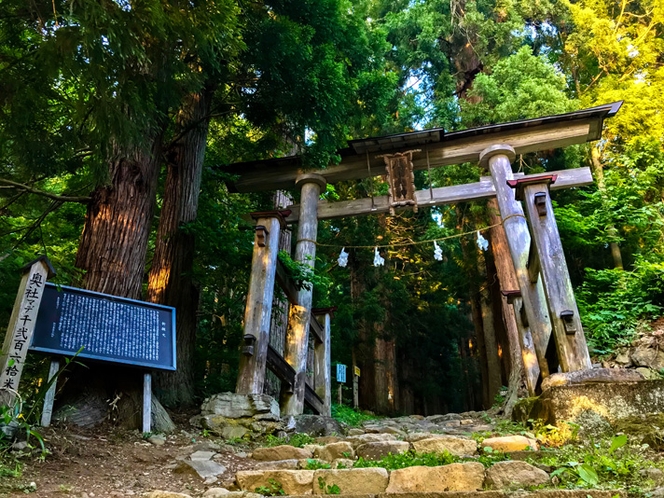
[520, 183]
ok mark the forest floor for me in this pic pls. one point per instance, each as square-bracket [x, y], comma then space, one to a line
[111, 462]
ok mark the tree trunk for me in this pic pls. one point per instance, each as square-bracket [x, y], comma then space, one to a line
[598, 169]
[494, 376]
[117, 223]
[170, 280]
[112, 254]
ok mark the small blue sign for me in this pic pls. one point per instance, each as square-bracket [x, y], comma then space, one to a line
[341, 373]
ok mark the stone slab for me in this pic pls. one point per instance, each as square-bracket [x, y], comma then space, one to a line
[611, 401]
[293, 482]
[460, 446]
[453, 477]
[232, 405]
[591, 376]
[352, 481]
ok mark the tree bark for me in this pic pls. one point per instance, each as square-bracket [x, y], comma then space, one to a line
[170, 279]
[112, 255]
[117, 223]
[598, 169]
[494, 377]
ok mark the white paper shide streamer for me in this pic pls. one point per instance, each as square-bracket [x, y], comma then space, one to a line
[378, 259]
[482, 243]
[343, 258]
[437, 252]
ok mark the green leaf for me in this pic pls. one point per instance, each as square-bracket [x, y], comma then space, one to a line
[588, 474]
[618, 442]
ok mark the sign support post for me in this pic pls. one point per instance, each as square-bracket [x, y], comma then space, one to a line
[147, 402]
[22, 326]
[49, 399]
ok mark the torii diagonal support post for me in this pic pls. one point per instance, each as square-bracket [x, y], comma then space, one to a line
[554, 275]
[498, 159]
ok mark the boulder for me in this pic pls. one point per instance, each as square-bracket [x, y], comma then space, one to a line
[591, 376]
[514, 474]
[166, 494]
[351, 481]
[454, 477]
[370, 438]
[283, 452]
[232, 405]
[318, 425]
[278, 464]
[224, 493]
[292, 482]
[331, 452]
[510, 443]
[644, 356]
[380, 449]
[208, 470]
[460, 446]
[612, 401]
[233, 432]
[417, 436]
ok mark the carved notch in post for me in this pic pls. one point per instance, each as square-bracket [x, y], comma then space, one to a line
[258, 310]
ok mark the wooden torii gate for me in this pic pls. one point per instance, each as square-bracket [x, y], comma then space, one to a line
[546, 312]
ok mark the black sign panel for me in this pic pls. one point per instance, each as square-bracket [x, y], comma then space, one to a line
[107, 327]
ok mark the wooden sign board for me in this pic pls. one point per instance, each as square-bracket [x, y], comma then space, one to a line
[104, 327]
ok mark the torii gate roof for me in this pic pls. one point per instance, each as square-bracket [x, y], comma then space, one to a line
[528, 135]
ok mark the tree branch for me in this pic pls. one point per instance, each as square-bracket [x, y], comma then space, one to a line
[55, 197]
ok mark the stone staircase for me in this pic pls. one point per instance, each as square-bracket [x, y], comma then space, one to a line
[348, 465]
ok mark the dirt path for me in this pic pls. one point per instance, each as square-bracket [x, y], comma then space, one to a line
[113, 463]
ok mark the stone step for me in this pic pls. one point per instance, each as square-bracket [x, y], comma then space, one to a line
[466, 476]
[541, 493]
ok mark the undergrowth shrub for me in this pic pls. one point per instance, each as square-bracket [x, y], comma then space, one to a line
[349, 416]
[613, 302]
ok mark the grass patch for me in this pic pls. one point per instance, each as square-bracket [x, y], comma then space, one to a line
[298, 440]
[408, 459]
[349, 416]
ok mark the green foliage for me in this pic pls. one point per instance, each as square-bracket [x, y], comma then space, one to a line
[613, 302]
[520, 86]
[327, 488]
[302, 274]
[274, 488]
[298, 440]
[608, 464]
[408, 459]
[349, 416]
[314, 464]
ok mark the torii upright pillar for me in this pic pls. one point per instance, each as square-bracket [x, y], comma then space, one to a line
[498, 159]
[297, 334]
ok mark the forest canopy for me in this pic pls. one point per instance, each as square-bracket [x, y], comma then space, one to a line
[118, 117]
